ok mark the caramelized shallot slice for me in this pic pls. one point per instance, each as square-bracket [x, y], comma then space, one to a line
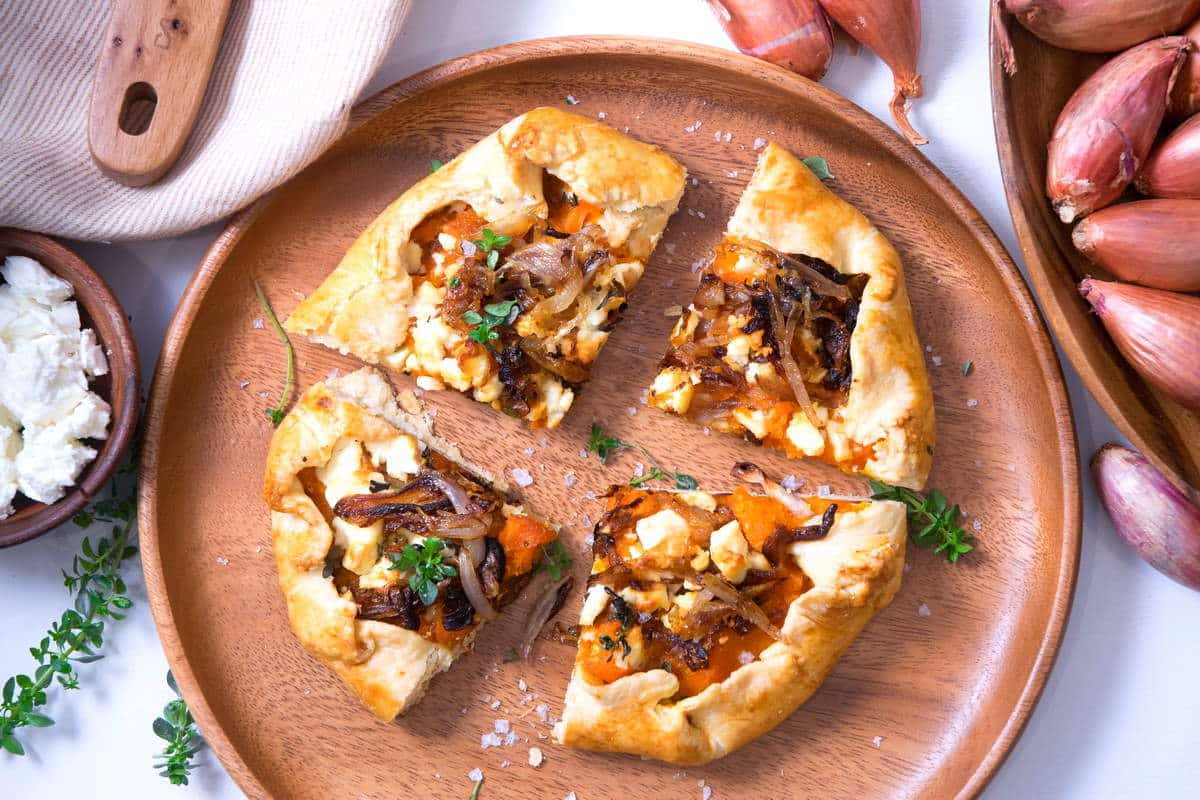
[472, 586]
[744, 606]
[752, 473]
[784, 334]
[548, 604]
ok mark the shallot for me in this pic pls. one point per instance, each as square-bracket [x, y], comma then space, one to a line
[1150, 513]
[1185, 97]
[1156, 331]
[1173, 169]
[892, 30]
[1154, 243]
[1093, 26]
[1107, 128]
[791, 33]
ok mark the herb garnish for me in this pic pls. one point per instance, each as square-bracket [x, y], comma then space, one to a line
[95, 580]
[492, 243]
[555, 560]
[932, 521]
[434, 165]
[276, 414]
[178, 729]
[454, 282]
[819, 167]
[474, 795]
[425, 561]
[606, 446]
[494, 315]
[966, 369]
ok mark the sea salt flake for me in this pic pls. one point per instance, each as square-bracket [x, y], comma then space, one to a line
[510, 739]
[745, 657]
[760, 143]
[601, 115]
[569, 479]
[468, 248]
[489, 740]
[529, 451]
[475, 775]
[522, 477]
[503, 726]
[522, 685]
[727, 136]
[977, 525]
[333, 373]
[937, 360]
[570, 796]
[824, 491]
[224, 562]
[583, 452]
[733, 173]
[706, 793]
[505, 764]
[793, 483]
[923, 611]
[877, 741]
[972, 403]
[243, 384]
[258, 323]
[631, 411]
[495, 704]
[535, 757]
[695, 126]
[572, 100]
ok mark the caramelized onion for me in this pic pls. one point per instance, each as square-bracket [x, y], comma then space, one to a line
[472, 586]
[822, 283]
[548, 604]
[454, 493]
[569, 371]
[744, 606]
[784, 334]
[752, 473]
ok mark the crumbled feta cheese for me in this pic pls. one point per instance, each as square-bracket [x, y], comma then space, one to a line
[535, 757]
[522, 477]
[46, 407]
[665, 531]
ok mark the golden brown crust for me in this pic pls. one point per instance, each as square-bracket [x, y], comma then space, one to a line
[889, 406]
[373, 303]
[856, 571]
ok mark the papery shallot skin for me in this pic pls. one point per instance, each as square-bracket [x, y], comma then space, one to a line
[891, 29]
[1158, 333]
[1101, 26]
[1107, 128]
[1150, 513]
[1185, 97]
[1173, 168]
[791, 33]
[1153, 243]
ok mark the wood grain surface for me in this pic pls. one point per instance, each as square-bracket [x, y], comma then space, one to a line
[151, 75]
[1026, 106]
[925, 704]
[121, 387]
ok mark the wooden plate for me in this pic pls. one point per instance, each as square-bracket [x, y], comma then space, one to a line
[925, 704]
[120, 388]
[1026, 106]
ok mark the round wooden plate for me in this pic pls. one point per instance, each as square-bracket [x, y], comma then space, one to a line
[925, 704]
[1025, 107]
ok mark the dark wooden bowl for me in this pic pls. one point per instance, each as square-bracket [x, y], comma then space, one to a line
[99, 310]
[1025, 107]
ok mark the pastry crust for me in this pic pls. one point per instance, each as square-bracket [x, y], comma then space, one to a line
[855, 572]
[885, 427]
[355, 420]
[381, 302]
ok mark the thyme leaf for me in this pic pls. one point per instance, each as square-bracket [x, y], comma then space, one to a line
[932, 521]
[178, 729]
[277, 413]
[606, 446]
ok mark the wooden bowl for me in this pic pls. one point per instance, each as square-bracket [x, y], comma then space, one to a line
[1025, 107]
[100, 311]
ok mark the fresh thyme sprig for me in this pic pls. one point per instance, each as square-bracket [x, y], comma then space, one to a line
[932, 521]
[100, 594]
[277, 413]
[177, 728]
[494, 315]
[606, 447]
[492, 243]
[427, 565]
[555, 560]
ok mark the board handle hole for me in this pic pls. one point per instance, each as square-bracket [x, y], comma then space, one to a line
[137, 109]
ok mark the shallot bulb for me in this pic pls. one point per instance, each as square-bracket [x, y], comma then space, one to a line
[1093, 26]
[892, 30]
[1185, 97]
[1158, 333]
[1154, 243]
[1173, 169]
[1150, 513]
[791, 33]
[1107, 128]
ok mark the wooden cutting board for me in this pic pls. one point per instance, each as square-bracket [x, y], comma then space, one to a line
[925, 704]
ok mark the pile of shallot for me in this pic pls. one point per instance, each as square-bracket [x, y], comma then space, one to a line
[798, 35]
[1130, 128]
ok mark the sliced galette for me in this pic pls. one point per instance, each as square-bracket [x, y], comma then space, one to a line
[502, 273]
[709, 618]
[800, 335]
[391, 550]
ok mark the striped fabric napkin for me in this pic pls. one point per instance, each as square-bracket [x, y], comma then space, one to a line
[281, 91]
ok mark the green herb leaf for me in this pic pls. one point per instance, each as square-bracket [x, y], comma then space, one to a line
[427, 565]
[606, 446]
[474, 795]
[494, 315]
[98, 593]
[183, 739]
[492, 241]
[966, 368]
[819, 167]
[932, 521]
[277, 413]
[454, 282]
[555, 560]
[434, 166]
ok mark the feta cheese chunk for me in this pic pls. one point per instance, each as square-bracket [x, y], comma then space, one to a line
[665, 532]
[46, 407]
[729, 551]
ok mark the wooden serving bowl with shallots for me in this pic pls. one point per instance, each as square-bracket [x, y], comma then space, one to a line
[1026, 106]
[100, 311]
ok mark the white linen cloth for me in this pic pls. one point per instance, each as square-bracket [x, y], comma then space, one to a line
[285, 79]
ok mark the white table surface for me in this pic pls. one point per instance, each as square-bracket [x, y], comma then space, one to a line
[1119, 716]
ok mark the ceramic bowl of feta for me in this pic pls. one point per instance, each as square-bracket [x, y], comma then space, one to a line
[69, 385]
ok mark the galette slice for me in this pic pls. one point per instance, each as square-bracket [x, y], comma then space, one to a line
[391, 551]
[709, 618]
[800, 335]
[502, 273]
